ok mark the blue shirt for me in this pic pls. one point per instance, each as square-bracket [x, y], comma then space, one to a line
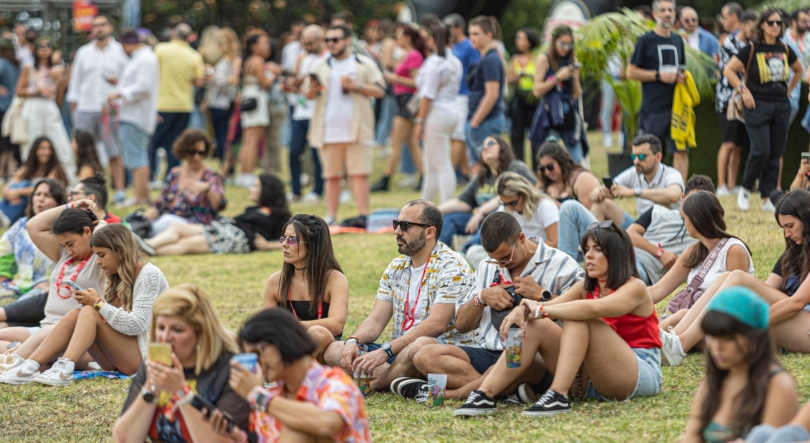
[468, 56]
[9, 73]
[490, 68]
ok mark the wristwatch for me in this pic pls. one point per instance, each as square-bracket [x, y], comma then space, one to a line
[387, 348]
[98, 305]
[545, 295]
[637, 190]
[147, 395]
[657, 76]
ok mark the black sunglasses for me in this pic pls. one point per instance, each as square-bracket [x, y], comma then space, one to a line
[543, 168]
[607, 224]
[200, 153]
[334, 40]
[773, 22]
[404, 225]
[510, 204]
[689, 20]
[641, 157]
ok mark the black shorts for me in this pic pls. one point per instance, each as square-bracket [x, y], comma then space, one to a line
[733, 131]
[658, 124]
[481, 359]
[402, 102]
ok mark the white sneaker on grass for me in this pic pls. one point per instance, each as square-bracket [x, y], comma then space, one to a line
[346, 196]
[768, 206]
[311, 198]
[60, 374]
[671, 348]
[607, 140]
[744, 199]
[723, 191]
[21, 373]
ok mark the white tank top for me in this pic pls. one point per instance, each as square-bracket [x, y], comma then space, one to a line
[719, 266]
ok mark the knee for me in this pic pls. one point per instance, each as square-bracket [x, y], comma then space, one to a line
[320, 334]
[736, 277]
[87, 311]
[425, 355]
[413, 348]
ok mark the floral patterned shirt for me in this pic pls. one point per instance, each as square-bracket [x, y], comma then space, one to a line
[194, 208]
[447, 280]
[731, 46]
[21, 259]
[330, 389]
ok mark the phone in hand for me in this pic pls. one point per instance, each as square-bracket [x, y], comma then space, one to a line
[199, 403]
[160, 352]
[577, 65]
[608, 181]
[74, 285]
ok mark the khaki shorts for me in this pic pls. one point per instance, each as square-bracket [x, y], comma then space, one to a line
[353, 159]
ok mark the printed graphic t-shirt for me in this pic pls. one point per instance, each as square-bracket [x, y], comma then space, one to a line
[769, 70]
[652, 53]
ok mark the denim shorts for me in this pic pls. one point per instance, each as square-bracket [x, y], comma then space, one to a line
[628, 220]
[135, 144]
[649, 375]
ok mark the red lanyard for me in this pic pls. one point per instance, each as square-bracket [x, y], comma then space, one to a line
[72, 277]
[295, 314]
[409, 320]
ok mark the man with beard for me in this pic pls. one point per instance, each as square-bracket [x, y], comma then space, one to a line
[419, 289]
[656, 63]
[799, 34]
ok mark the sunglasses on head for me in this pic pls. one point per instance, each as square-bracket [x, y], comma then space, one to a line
[404, 225]
[334, 40]
[543, 168]
[607, 224]
[292, 241]
[774, 22]
[641, 157]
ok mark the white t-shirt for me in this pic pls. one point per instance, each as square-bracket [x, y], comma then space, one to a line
[304, 109]
[665, 177]
[534, 225]
[694, 40]
[339, 106]
[719, 265]
[416, 281]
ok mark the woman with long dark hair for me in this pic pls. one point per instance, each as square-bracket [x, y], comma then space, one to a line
[744, 385]
[520, 75]
[787, 288]
[311, 283]
[411, 41]
[87, 163]
[608, 347]
[562, 178]
[556, 84]
[258, 228]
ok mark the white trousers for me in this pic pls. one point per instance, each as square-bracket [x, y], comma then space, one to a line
[439, 177]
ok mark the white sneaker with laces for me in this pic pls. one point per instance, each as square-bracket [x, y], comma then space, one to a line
[60, 374]
[744, 199]
[22, 373]
[312, 198]
[607, 140]
[345, 196]
[768, 206]
[723, 191]
[671, 348]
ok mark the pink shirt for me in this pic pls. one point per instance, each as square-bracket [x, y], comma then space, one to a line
[412, 61]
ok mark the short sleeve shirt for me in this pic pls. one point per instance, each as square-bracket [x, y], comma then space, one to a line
[653, 52]
[792, 282]
[468, 56]
[448, 278]
[60, 300]
[490, 68]
[412, 61]
[769, 71]
[664, 178]
[180, 65]
[731, 46]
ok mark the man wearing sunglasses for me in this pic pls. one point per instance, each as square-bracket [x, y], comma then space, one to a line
[521, 268]
[419, 289]
[699, 38]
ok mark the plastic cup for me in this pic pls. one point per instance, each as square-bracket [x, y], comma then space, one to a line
[363, 381]
[514, 343]
[437, 384]
[248, 361]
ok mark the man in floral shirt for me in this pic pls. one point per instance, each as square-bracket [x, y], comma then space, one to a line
[419, 289]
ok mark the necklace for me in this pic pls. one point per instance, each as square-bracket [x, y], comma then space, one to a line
[300, 269]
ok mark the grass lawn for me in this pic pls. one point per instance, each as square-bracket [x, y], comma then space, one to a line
[86, 410]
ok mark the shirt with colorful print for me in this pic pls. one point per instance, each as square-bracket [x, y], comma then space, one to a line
[20, 260]
[448, 279]
[194, 208]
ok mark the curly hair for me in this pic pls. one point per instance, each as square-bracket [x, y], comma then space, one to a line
[184, 145]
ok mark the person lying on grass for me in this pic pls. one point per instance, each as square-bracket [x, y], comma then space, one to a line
[608, 346]
[744, 386]
[419, 289]
[787, 289]
[309, 403]
[159, 402]
[535, 271]
[63, 234]
[258, 228]
[701, 263]
[113, 329]
[311, 284]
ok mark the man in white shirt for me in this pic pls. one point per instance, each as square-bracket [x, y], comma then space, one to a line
[137, 94]
[96, 69]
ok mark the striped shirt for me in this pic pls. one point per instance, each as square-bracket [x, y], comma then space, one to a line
[551, 268]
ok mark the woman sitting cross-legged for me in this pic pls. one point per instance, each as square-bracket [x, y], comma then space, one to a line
[787, 289]
[258, 228]
[744, 386]
[608, 346]
[702, 262]
[309, 403]
[311, 284]
[158, 405]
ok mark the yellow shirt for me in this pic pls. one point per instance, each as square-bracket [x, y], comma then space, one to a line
[180, 65]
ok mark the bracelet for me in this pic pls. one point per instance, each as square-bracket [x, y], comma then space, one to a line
[660, 252]
[418, 120]
[540, 312]
[478, 302]
[351, 339]
[69, 205]
[259, 398]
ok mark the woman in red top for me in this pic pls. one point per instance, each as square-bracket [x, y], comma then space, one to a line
[609, 345]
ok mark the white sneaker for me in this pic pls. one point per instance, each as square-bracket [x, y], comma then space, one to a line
[292, 198]
[723, 191]
[22, 373]
[744, 199]
[607, 141]
[331, 221]
[245, 180]
[735, 190]
[409, 181]
[345, 196]
[155, 185]
[312, 198]
[671, 348]
[60, 374]
[768, 206]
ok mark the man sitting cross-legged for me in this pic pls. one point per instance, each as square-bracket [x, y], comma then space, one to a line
[535, 271]
[419, 289]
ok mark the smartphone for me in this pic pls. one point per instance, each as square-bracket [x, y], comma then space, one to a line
[199, 403]
[806, 156]
[576, 65]
[608, 181]
[73, 285]
[160, 352]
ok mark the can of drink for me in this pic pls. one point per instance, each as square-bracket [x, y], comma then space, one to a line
[248, 361]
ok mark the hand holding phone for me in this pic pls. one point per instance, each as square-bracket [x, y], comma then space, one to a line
[74, 285]
[200, 403]
[160, 352]
[608, 181]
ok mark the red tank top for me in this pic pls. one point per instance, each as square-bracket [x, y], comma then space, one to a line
[637, 332]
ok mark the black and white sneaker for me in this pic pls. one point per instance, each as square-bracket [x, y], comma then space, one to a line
[407, 387]
[551, 403]
[477, 403]
[526, 394]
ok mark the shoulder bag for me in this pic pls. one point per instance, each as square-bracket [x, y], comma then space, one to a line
[690, 294]
[736, 106]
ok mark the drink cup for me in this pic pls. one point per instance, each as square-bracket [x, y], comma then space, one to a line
[248, 361]
[668, 69]
[514, 344]
[363, 382]
[437, 384]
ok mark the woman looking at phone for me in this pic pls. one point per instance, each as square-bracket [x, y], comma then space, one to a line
[113, 328]
[311, 284]
[310, 402]
[608, 347]
[158, 405]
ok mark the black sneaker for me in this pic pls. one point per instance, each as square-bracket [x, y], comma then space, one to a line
[551, 403]
[477, 403]
[382, 185]
[409, 387]
[356, 222]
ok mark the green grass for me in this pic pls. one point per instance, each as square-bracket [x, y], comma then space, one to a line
[86, 410]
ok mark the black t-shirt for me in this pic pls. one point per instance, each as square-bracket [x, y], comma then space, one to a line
[651, 53]
[645, 219]
[490, 68]
[256, 221]
[769, 70]
[792, 282]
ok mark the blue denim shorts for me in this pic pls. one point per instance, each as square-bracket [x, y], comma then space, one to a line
[649, 375]
[135, 145]
[628, 220]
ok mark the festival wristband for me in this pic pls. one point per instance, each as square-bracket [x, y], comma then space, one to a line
[540, 312]
[478, 302]
[660, 252]
[351, 340]
[259, 398]
[69, 205]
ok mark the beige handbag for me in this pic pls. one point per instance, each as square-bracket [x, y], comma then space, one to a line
[736, 106]
[17, 124]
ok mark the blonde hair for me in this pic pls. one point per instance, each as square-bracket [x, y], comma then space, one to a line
[190, 303]
[209, 45]
[512, 183]
[229, 43]
[118, 239]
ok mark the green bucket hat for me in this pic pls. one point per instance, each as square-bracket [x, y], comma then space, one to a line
[742, 304]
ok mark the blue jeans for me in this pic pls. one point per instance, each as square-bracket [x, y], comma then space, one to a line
[649, 375]
[14, 212]
[574, 221]
[172, 124]
[298, 144]
[387, 112]
[785, 434]
[576, 151]
[219, 120]
[454, 224]
[475, 136]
